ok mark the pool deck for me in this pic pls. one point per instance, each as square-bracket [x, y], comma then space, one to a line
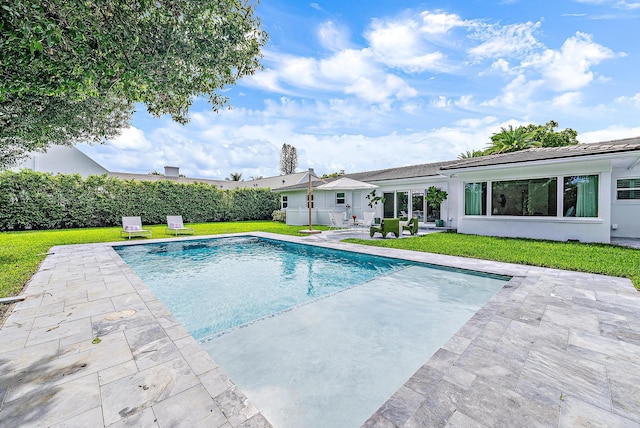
[550, 349]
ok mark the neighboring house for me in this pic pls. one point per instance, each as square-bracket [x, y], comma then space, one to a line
[586, 192]
[62, 160]
[70, 160]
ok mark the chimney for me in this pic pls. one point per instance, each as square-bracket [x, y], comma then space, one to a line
[172, 171]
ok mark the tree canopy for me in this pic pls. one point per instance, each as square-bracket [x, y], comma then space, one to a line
[288, 159]
[511, 140]
[235, 176]
[525, 137]
[333, 174]
[95, 59]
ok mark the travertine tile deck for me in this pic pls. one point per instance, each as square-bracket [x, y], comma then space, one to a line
[552, 348]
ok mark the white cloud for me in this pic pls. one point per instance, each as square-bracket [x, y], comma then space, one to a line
[634, 99]
[333, 37]
[439, 22]
[131, 139]
[398, 44]
[501, 65]
[476, 122]
[614, 132]
[373, 91]
[350, 71]
[505, 41]
[569, 68]
[441, 102]
[568, 99]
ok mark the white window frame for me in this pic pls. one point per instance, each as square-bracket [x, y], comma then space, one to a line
[618, 189]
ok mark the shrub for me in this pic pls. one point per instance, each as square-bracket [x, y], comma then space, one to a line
[279, 215]
[35, 200]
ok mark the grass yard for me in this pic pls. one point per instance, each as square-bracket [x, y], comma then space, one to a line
[22, 252]
[593, 258]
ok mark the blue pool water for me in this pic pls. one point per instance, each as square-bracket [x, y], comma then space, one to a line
[217, 284]
[328, 363]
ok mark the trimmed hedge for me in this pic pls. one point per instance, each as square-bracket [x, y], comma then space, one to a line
[36, 200]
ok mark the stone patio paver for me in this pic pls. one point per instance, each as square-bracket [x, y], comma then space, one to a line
[551, 349]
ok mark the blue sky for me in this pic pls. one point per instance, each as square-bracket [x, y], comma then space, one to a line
[358, 86]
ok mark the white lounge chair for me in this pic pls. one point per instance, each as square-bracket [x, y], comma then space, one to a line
[132, 226]
[176, 226]
[367, 218]
[338, 222]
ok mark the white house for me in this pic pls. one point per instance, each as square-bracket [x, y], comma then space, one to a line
[70, 160]
[586, 192]
[62, 160]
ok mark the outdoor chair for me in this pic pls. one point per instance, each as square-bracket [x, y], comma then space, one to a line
[387, 225]
[367, 218]
[176, 226]
[132, 226]
[411, 226]
[338, 221]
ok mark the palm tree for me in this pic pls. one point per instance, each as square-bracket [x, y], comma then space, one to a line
[511, 140]
[471, 154]
[234, 176]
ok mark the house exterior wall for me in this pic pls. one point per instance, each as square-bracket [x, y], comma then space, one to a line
[325, 201]
[62, 160]
[560, 228]
[618, 218]
[625, 214]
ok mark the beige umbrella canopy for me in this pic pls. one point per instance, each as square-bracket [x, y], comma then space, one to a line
[345, 183]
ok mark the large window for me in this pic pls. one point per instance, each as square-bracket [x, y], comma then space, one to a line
[580, 196]
[539, 196]
[628, 188]
[417, 205]
[534, 197]
[340, 198]
[475, 198]
[388, 205]
[402, 204]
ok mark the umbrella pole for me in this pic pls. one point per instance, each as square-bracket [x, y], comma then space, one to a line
[309, 201]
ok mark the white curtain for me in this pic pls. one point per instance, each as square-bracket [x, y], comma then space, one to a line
[587, 202]
[473, 198]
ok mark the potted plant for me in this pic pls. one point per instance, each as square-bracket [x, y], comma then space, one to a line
[435, 197]
[374, 200]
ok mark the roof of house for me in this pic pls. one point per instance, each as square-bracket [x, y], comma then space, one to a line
[402, 172]
[269, 182]
[411, 171]
[529, 155]
[547, 153]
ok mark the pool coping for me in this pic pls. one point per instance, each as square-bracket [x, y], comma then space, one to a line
[550, 348]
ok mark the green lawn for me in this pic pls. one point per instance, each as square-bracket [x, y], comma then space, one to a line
[22, 252]
[594, 258]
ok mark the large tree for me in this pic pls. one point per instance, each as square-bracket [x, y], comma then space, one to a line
[548, 137]
[511, 140]
[95, 59]
[288, 159]
[524, 137]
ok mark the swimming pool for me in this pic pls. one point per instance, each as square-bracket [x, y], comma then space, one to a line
[329, 362]
[216, 284]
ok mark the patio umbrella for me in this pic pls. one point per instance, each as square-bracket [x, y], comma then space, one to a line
[345, 183]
